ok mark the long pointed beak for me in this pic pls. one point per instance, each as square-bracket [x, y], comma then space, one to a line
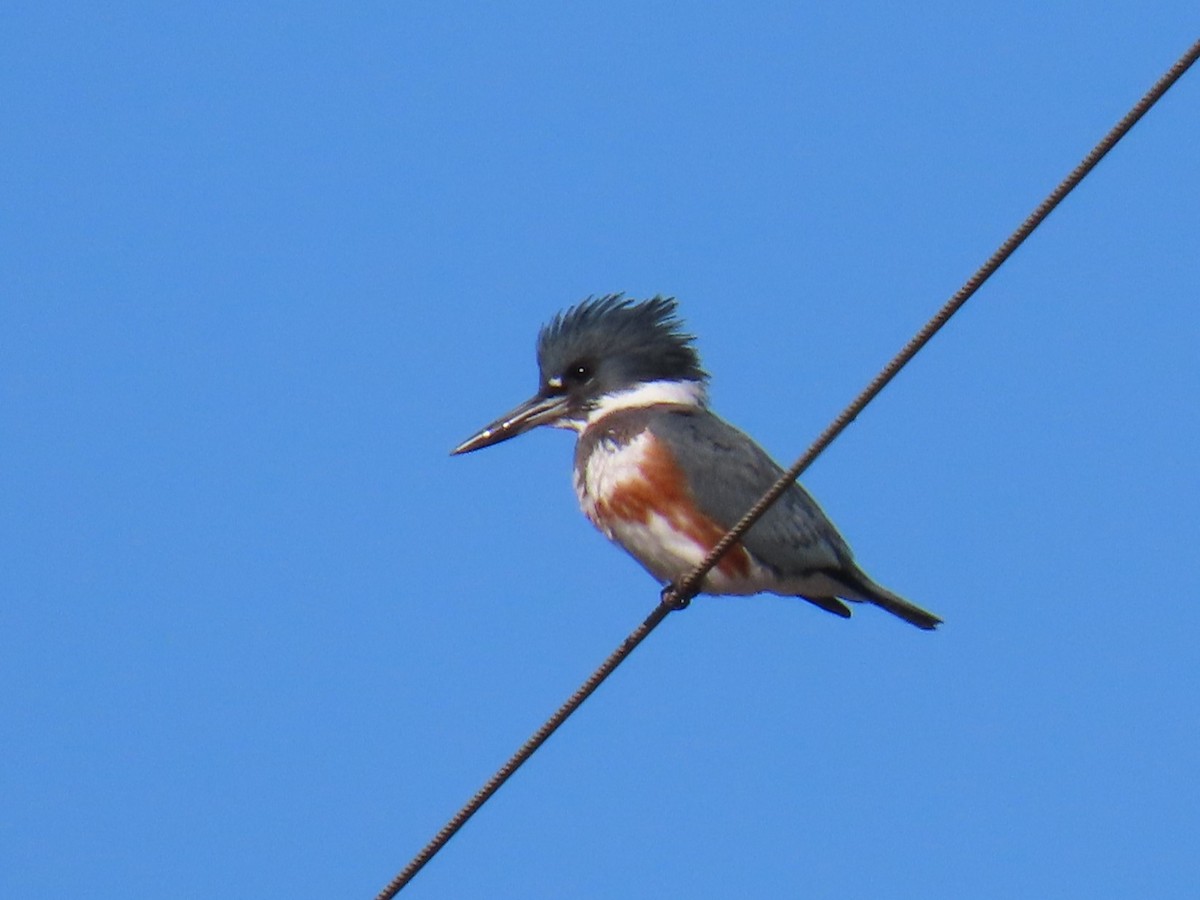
[537, 410]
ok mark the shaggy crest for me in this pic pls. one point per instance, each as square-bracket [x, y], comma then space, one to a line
[645, 338]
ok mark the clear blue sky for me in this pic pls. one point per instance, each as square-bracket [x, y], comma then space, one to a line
[263, 265]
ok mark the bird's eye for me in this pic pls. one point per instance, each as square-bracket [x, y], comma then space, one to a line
[578, 373]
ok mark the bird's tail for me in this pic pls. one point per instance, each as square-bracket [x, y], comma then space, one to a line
[863, 588]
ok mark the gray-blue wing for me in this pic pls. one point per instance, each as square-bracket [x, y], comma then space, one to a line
[728, 472]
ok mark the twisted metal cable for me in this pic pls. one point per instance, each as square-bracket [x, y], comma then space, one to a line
[527, 749]
[689, 586]
[679, 595]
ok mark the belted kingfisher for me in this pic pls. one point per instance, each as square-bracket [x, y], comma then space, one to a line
[664, 477]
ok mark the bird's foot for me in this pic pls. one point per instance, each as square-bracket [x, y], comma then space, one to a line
[671, 597]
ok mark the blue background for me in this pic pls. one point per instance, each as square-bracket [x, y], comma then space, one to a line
[263, 265]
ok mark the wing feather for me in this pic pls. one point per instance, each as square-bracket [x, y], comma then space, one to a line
[728, 472]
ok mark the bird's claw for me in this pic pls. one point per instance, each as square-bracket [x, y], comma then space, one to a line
[671, 597]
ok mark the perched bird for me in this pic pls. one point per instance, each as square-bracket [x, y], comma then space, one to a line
[664, 477]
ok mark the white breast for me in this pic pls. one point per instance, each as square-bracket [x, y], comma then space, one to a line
[608, 467]
[664, 551]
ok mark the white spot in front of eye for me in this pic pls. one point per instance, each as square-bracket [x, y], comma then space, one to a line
[555, 382]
